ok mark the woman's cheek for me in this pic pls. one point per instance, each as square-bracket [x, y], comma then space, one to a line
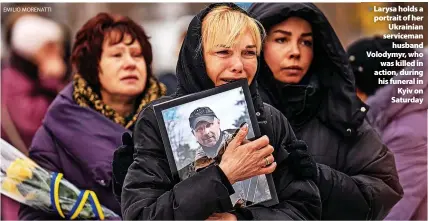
[251, 66]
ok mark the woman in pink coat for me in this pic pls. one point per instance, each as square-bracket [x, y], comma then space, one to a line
[30, 80]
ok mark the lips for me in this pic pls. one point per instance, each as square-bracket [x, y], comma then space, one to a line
[129, 78]
[230, 80]
[293, 70]
[208, 138]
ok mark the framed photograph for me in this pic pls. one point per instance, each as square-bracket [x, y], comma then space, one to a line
[197, 128]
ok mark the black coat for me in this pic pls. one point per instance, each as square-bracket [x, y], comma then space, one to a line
[357, 174]
[150, 192]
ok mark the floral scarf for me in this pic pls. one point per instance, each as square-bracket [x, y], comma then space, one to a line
[86, 97]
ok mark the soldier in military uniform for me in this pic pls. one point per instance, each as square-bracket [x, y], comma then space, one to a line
[213, 141]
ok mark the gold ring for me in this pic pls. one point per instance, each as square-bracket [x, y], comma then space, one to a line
[266, 161]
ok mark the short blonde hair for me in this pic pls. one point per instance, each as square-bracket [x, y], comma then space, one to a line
[224, 25]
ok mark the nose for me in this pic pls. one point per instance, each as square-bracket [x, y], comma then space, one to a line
[129, 62]
[294, 51]
[206, 130]
[236, 65]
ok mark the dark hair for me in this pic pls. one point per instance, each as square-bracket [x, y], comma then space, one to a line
[364, 67]
[88, 45]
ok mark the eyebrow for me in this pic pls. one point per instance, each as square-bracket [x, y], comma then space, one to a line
[222, 46]
[290, 33]
[248, 46]
[121, 47]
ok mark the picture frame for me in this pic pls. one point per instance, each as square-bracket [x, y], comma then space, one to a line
[197, 128]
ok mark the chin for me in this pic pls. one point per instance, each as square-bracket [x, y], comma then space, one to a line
[210, 145]
[290, 79]
[132, 91]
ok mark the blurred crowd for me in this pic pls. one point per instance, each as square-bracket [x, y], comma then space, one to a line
[65, 106]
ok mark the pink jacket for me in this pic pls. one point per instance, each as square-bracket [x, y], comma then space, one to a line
[26, 100]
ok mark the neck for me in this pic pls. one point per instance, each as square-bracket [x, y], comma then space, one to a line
[123, 105]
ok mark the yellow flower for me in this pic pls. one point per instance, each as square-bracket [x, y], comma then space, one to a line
[9, 186]
[20, 169]
[30, 196]
[29, 163]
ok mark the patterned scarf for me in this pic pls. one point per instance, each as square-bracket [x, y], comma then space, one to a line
[86, 97]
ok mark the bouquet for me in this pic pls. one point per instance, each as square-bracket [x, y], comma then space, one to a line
[28, 183]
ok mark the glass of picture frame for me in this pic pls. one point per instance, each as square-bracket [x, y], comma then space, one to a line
[197, 128]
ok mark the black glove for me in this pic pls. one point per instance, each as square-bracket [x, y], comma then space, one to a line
[242, 214]
[301, 162]
[122, 159]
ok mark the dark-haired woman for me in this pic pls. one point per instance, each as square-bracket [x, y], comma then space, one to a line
[306, 75]
[83, 127]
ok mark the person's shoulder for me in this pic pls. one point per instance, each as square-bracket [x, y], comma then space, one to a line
[148, 109]
[265, 94]
[273, 123]
[64, 106]
[405, 131]
[365, 127]
[146, 119]
[273, 114]
[199, 153]
[13, 76]
[42, 141]
[270, 107]
[64, 97]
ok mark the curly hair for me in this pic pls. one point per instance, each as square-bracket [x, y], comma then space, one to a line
[88, 45]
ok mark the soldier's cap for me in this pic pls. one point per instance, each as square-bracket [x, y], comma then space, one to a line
[201, 114]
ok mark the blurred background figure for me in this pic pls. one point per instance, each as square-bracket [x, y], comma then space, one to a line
[31, 76]
[364, 67]
[402, 126]
[169, 77]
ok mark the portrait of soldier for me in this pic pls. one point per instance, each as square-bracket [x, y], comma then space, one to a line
[205, 125]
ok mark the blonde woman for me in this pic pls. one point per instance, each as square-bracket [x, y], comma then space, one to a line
[222, 44]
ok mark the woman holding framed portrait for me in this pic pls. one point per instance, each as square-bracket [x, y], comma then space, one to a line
[222, 45]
